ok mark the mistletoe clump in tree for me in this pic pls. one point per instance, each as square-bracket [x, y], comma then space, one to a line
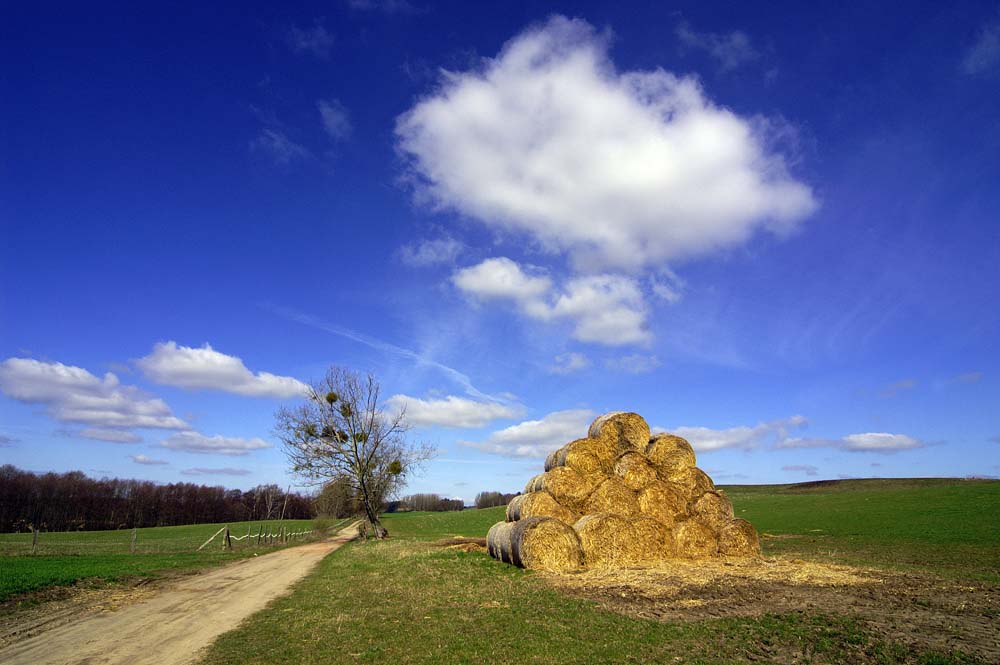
[342, 431]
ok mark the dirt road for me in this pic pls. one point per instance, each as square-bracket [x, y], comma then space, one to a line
[175, 624]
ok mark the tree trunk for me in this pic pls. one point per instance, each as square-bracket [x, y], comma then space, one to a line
[378, 530]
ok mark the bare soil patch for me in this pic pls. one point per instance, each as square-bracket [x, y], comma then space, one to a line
[922, 612]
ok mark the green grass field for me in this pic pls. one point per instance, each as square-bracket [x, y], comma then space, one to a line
[104, 556]
[950, 527]
[405, 601]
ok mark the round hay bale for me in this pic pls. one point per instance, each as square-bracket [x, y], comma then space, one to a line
[589, 457]
[552, 459]
[498, 541]
[739, 538]
[694, 540]
[671, 454]
[713, 509]
[543, 543]
[635, 470]
[538, 504]
[627, 431]
[608, 541]
[665, 502]
[565, 485]
[534, 484]
[612, 497]
[653, 540]
[695, 481]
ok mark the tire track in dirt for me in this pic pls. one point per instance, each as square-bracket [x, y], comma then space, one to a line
[173, 626]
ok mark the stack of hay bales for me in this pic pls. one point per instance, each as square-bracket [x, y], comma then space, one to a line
[619, 497]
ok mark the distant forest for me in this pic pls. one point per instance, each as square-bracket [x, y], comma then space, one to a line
[72, 501]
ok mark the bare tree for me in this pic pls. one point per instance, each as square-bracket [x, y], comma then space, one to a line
[343, 431]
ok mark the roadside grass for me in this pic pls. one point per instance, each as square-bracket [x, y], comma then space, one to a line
[65, 558]
[406, 601]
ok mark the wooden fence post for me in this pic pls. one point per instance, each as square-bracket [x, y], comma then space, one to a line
[132, 546]
[34, 539]
[260, 532]
[228, 541]
[211, 539]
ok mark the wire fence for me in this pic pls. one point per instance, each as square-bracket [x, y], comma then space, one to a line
[162, 540]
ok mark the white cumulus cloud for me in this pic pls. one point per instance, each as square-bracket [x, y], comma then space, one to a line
[452, 411]
[603, 309]
[621, 170]
[74, 395]
[536, 438]
[195, 442]
[206, 368]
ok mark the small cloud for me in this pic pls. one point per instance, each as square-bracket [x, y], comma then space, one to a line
[969, 377]
[995, 439]
[807, 469]
[204, 368]
[6, 440]
[604, 309]
[747, 438]
[568, 363]
[731, 50]
[536, 438]
[452, 411]
[667, 288]
[894, 389]
[875, 464]
[984, 55]
[635, 363]
[336, 119]
[870, 442]
[313, 41]
[276, 144]
[426, 253]
[224, 471]
[194, 442]
[142, 459]
[730, 476]
[110, 435]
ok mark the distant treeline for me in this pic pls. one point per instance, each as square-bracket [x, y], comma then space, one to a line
[492, 499]
[72, 501]
[433, 502]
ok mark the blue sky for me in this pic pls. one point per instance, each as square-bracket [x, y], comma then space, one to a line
[772, 230]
